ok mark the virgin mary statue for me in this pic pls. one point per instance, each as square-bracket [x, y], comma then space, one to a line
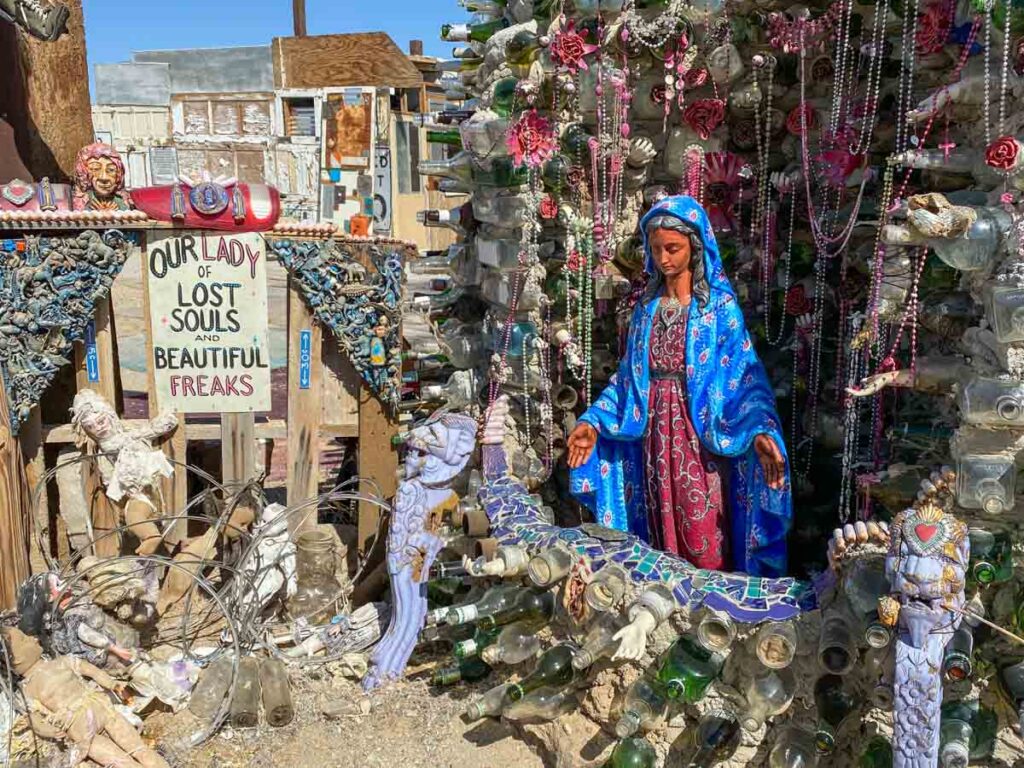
[684, 447]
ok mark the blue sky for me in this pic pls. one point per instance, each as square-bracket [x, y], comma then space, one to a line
[115, 28]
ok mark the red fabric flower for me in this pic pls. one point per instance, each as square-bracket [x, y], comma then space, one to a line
[797, 303]
[1003, 154]
[569, 47]
[793, 121]
[836, 165]
[531, 139]
[1018, 57]
[722, 177]
[658, 93]
[704, 115]
[932, 29]
[548, 207]
[695, 78]
[574, 261]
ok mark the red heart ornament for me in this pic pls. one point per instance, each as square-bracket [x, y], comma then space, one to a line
[925, 531]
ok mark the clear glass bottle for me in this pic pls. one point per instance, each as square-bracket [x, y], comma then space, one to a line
[776, 643]
[503, 286]
[986, 482]
[554, 669]
[277, 696]
[245, 704]
[992, 402]
[879, 668]
[1011, 679]
[976, 248]
[716, 738]
[768, 694]
[542, 705]
[863, 584]
[452, 218]
[500, 253]
[499, 208]
[495, 599]
[317, 588]
[716, 630]
[488, 705]
[530, 605]
[837, 648]
[606, 590]
[515, 644]
[1004, 310]
[459, 391]
[688, 670]
[600, 641]
[795, 748]
[484, 135]
[644, 707]
[550, 566]
[966, 733]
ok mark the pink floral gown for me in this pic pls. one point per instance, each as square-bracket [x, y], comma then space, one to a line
[684, 489]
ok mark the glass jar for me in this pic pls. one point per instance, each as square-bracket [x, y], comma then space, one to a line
[318, 589]
[992, 402]
[1004, 309]
[986, 482]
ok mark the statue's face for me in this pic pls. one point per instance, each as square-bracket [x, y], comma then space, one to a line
[671, 251]
[103, 174]
[99, 423]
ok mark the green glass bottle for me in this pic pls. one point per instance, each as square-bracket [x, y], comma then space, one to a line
[481, 639]
[468, 670]
[688, 670]
[451, 137]
[443, 591]
[530, 605]
[554, 669]
[957, 661]
[633, 753]
[523, 49]
[555, 175]
[506, 99]
[576, 141]
[481, 33]
[877, 754]
[991, 557]
[493, 8]
[462, 168]
[834, 705]
[967, 733]
[1011, 680]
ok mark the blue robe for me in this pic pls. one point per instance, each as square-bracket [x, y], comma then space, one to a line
[730, 402]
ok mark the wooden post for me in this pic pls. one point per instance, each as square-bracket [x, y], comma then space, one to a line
[237, 448]
[33, 450]
[377, 459]
[174, 489]
[14, 510]
[299, 17]
[94, 369]
[304, 407]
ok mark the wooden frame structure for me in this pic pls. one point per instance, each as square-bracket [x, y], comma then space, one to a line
[332, 404]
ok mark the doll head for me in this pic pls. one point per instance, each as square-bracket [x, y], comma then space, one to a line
[93, 417]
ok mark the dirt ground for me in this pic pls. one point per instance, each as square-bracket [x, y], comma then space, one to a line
[407, 724]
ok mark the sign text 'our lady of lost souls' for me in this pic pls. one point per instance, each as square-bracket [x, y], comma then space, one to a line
[208, 313]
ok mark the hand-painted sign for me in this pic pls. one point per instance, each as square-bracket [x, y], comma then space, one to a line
[305, 357]
[208, 319]
[92, 357]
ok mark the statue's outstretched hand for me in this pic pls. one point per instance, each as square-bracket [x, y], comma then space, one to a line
[581, 442]
[772, 463]
[874, 384]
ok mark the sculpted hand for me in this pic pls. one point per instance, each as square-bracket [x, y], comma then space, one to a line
[581, 443]
[873, 384]
[772, 463]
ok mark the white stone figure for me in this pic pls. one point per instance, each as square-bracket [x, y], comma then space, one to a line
[272, 565]
[131, 474]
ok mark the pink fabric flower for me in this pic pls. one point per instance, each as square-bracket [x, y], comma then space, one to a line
[1003, 154]
[569, 47]
[548, 207]
[797, 303]
[531, 140]
[810, 119]
[695, 78]
[704, 115]
[836, 165]
[722, 187]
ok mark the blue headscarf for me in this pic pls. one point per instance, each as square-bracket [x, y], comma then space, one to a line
[730, 402]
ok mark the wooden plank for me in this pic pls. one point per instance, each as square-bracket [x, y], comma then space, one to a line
[33, 450]
[237, 448]
[368, 59]
[299, 17]
[339, 396]
[272, 429]
[303, 407]
[377, 460]
[14, 510]
[174, 489]
[100, 376]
